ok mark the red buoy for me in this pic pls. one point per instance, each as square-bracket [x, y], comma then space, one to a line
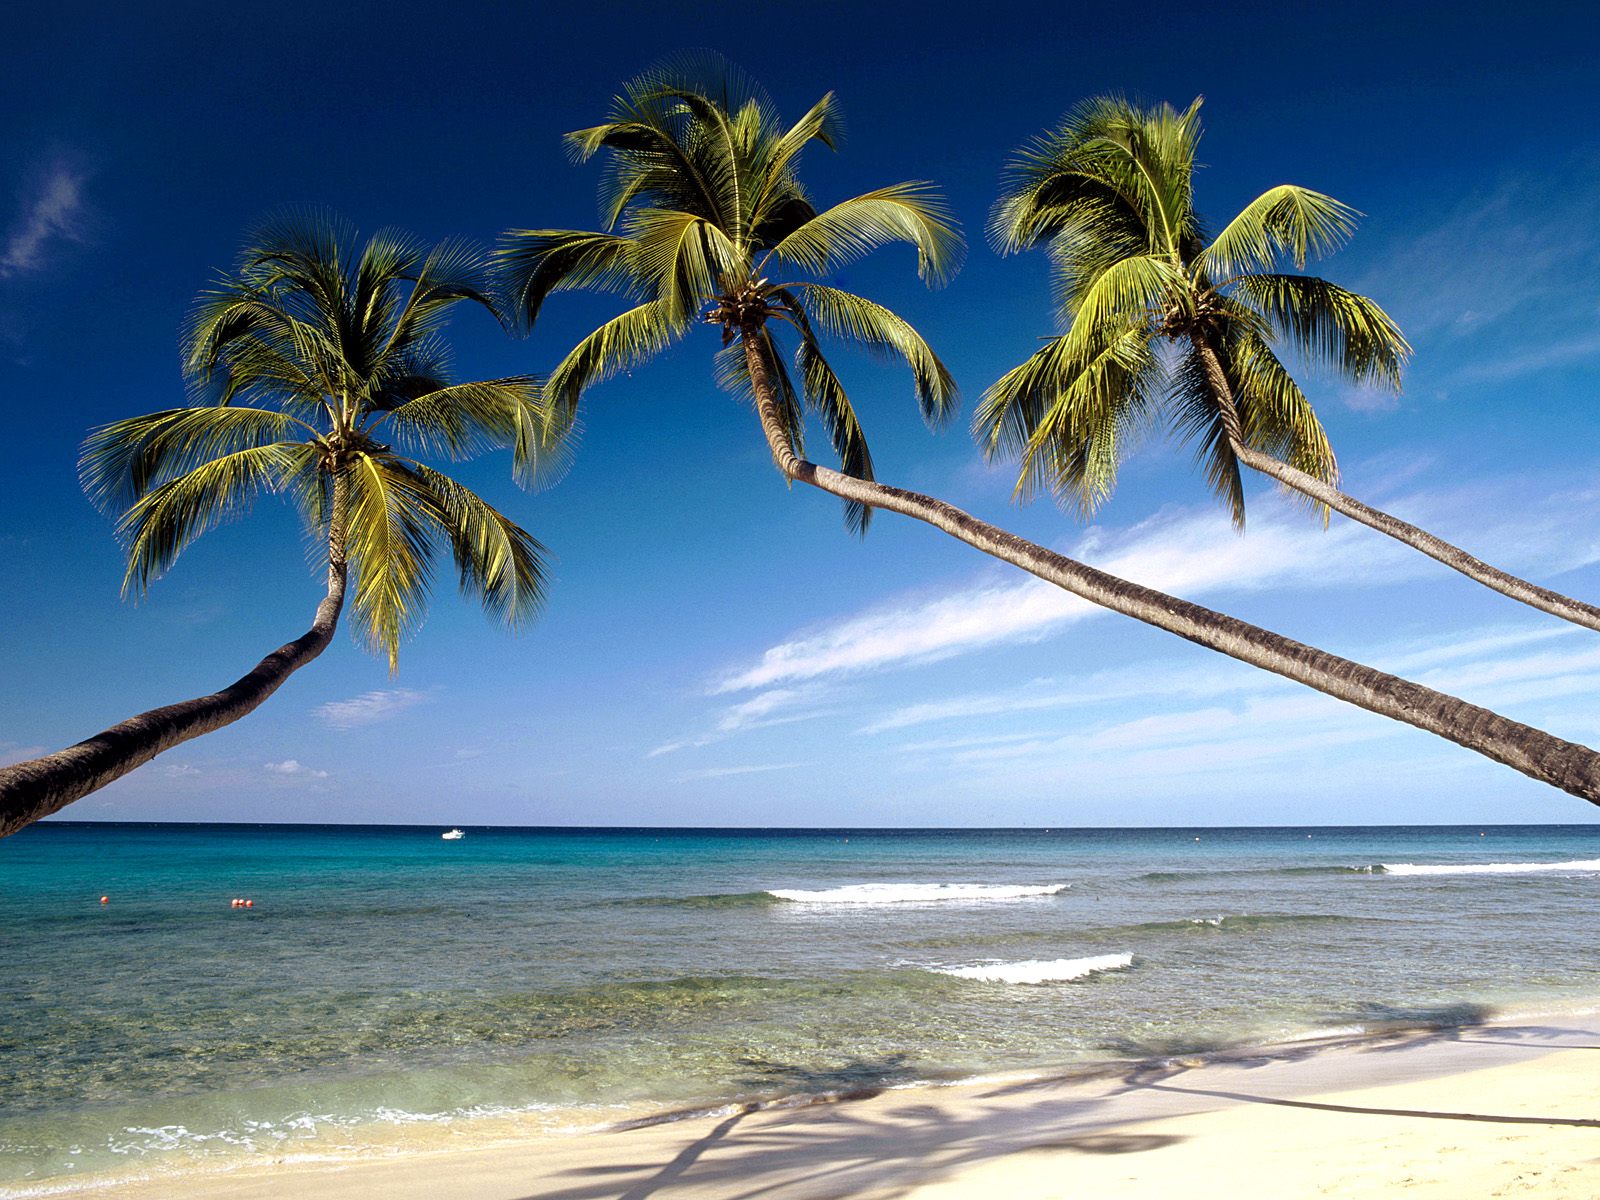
[105, 899]
[249, 903]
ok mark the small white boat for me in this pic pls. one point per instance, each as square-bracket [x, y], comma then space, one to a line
[453, 835]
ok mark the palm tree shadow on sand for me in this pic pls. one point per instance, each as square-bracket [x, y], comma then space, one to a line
[838, 1146]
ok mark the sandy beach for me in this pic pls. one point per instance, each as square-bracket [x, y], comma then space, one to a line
[1506, 1110]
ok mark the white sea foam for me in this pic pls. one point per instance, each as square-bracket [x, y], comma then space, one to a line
[915, 893]
[1582, 866]
[1057, 970]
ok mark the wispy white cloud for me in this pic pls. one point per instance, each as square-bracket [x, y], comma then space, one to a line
[760, 708]
[290, 766]
[1526, 360]
[52, 213]
[369, 708]
[1187, 553]
[1136, 737]
[1042, 695]
[1496, 277]
[726, 772]
[776, 706]
[1173, 681]
[1450, 648]
[187, 770]
[1194, 554]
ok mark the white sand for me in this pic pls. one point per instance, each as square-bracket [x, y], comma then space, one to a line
[1489, 1111]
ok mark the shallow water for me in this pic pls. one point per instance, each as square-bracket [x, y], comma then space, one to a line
[386, 978]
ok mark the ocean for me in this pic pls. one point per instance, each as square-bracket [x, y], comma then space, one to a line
[387, 987]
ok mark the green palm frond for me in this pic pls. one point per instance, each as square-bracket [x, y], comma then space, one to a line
[1339, 328]
[462, 420]
[1042, 201]
[821, 123]
[308, 484]
[1197, 417]
[392, 525]
[621, 343]
[535, 263]
[500, 563]
[453, 271]
[240, 342]
[1276, 416]
[1137, 289]
[1285, 220]
[683, 259]
[826, 397]
[120, 462]
[167, 518]
[913, 213]
[867, 323]
[1070, 413]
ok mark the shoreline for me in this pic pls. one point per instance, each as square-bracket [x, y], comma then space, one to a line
[941, 1137]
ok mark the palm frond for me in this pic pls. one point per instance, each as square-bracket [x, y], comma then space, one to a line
[157, 528]
[536, 263]
[620, 344]
[857, 319]
[1283, 220]
[1333, 326]
[1134, 290]
[1197, 417]
[914, 213]
[238, 341]
[500, 563]
[1070, 413]
[464, 419]
[1041, 200]
[826, 397]
[119, 463]
[453, 271]
[392, 522]
[821, 123]
[683, 260]
[1275, 415]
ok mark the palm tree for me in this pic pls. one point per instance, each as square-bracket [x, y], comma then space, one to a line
[1164, 325]
[703, 207]
[302, 359]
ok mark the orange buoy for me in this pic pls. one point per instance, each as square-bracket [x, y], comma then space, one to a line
[105, 899]
[249, 903]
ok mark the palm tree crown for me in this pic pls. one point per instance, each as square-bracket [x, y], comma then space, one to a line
[702, 208]
[301, 359]
[1144, 294]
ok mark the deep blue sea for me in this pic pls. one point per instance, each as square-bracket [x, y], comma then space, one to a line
[387, 984]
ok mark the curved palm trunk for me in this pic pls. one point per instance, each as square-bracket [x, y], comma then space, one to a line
[1567, 765]
[1531, 594]
[35, 789]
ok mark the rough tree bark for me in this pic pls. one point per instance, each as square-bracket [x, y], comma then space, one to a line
[35, 789]
[1567, 765]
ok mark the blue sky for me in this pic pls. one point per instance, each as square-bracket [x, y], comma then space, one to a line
[718, 650]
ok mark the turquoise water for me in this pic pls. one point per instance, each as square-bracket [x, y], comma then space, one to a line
[387, 980]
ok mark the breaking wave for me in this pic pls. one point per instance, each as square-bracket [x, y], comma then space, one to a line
[1582, 866]
[1059, 970]
[915, 893]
